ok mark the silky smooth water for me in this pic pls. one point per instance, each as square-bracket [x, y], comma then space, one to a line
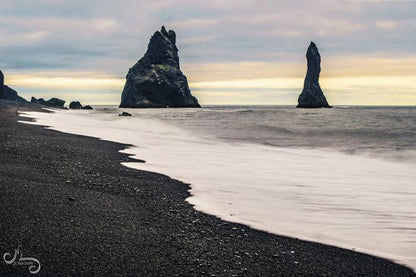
[344, 176]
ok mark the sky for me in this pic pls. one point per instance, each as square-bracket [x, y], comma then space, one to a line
[233, 52]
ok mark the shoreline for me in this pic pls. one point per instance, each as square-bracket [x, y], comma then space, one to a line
[124, 221]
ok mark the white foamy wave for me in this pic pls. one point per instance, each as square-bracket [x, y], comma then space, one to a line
[325, 196]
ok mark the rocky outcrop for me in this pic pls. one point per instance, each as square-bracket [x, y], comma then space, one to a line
[9, 93]
[53, 102]
[312, 95]
[124, 114]
[156, 80]
[76, 105]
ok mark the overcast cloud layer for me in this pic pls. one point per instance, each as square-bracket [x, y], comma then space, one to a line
[218, 40]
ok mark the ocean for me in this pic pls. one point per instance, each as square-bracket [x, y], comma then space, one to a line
[344, 176]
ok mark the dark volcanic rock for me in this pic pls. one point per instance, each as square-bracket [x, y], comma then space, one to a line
[156, 80]
[56, 102]
[53, 102]
[9, 93]
[312, 95]
[124, 114]
[75, 105]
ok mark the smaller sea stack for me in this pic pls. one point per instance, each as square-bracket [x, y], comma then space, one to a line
[312, 95]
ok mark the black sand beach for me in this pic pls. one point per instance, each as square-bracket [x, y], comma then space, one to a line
[70, 204]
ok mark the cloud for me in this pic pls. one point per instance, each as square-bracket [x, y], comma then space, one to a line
[208, 31]
[386, 24]
[195, 23]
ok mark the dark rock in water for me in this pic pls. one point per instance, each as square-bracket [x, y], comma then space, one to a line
[156, 80]
[9, 93]
[312, 95]
[124, 114]
[53, 102]
[76, 105]
[56, 102]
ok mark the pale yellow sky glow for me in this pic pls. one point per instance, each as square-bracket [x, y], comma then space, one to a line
[78, 82]
[358, 81]
[334, 66]
[397, 90]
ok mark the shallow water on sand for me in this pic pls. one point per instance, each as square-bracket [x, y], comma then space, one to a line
[341, 176]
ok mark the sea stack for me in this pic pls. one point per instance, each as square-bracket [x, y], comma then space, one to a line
[156, 80]
[312, 95]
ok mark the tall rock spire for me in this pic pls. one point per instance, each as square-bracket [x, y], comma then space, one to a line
[156, 80]
[312, 95]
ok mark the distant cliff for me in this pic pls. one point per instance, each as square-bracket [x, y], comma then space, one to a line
[156, 80]
[53, 102]
[9, 93]
[312, 95]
